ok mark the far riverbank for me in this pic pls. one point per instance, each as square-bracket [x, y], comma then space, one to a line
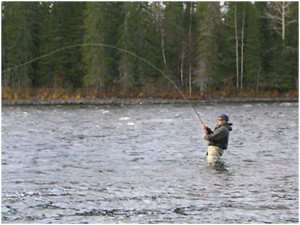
[135, 101]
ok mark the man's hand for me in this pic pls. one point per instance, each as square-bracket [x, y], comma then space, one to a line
[204, 128]
[204, 137]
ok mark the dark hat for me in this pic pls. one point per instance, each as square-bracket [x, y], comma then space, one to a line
[224, 117]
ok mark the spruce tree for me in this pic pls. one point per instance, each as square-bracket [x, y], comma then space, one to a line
[137, 35]
[254, 39]
[292, 43]
[176, 40]
[19, 42]
[282, 18]
[102, 22]
[234, 51]
[61, 27]
[208, 35]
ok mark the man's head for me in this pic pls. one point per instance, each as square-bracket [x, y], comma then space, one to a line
[223, 119]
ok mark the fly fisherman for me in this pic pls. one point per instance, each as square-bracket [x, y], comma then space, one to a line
[218, 139]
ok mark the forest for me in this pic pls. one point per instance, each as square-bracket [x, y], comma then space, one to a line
[80, 49]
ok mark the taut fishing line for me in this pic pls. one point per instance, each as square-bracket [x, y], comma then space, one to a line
[114, 47]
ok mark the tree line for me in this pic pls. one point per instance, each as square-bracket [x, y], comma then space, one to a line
[199, 45]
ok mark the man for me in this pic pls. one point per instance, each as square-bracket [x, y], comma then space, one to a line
[218, 139]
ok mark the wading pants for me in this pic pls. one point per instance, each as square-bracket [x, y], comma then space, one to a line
[213, 154]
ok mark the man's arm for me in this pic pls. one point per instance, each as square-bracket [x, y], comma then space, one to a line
[218, 135]
[207, 129]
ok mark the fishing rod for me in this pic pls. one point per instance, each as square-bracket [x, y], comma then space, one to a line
[119, 49]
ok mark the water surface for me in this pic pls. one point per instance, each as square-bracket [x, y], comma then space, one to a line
[146, 164]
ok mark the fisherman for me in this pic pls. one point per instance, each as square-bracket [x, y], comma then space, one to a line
[218, 139]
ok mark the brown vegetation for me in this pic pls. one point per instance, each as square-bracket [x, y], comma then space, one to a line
[60, 93]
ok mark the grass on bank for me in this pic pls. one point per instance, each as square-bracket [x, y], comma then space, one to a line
[60, 93]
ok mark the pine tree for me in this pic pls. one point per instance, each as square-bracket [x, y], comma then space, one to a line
[19, 42]
[137, 34]
[234, 51]
[254, 40]
[127, 66]
[245, 45]
[101, 24]
[61, 27]
[176, 44]
[157, 17]
[281, 73]
[208, 34]
[292, 43]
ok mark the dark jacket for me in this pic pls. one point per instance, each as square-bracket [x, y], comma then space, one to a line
[220, 136]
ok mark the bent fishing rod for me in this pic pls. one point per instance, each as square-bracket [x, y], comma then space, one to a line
[119, 49]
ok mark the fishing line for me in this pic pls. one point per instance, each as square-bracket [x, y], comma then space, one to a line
[120, 49]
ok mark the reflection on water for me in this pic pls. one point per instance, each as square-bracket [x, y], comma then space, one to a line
[146, 164]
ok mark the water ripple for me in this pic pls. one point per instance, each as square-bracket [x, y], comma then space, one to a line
[146, 164]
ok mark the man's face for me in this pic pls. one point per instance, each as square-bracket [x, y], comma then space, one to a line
[221, 121]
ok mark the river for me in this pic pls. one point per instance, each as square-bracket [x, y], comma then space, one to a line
[146, 164]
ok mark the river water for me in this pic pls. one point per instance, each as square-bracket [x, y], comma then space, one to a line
[146, 164]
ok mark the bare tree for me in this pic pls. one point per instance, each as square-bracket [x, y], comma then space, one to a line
[162, 33]
[278, 14]
[242, 47]
[236, 46]
[190, 49]
[181, 65]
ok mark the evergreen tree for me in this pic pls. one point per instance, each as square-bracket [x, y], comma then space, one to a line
[127, 66]
[137, 34]
[19, 42]
[157, 17]
[251, 45]
[234, 51]
[292, 43]
[176, 44]
[61, 27]
[208, 34]
[190, 23]
[254, 39]
[154, 80]
[231, 58]
[281, 73]
[102, 24]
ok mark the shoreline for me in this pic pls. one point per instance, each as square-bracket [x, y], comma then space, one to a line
[136, 101]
